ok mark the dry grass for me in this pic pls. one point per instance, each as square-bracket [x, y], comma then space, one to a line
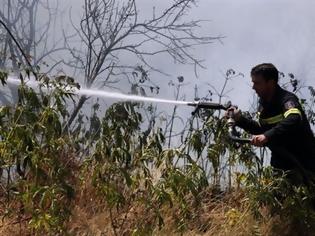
[224, 214]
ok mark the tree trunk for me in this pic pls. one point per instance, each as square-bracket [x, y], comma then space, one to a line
[75, 112]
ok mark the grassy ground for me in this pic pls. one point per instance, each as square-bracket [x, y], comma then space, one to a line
[218, 214]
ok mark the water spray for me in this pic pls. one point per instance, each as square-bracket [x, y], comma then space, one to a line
[102, 93]
[233, 134]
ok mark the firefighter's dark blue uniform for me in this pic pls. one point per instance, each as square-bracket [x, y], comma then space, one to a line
[284, 123]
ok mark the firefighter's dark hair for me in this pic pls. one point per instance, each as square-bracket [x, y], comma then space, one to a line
[267, 70]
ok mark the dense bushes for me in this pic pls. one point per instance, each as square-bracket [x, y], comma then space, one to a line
[115, 167]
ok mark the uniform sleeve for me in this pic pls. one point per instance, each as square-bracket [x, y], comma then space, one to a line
[249, 125]
[292, 119]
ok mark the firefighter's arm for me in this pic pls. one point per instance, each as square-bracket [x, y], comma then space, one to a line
[249, 125]
[292, 118]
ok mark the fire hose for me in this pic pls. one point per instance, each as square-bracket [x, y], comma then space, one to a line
[233, 134]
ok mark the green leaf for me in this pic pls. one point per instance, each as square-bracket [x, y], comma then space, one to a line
[127, 177]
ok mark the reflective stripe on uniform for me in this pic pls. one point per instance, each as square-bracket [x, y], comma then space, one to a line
[292, 111]
[272, 120]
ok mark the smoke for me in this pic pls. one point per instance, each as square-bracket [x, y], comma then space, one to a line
[280, 32]
[255, 31]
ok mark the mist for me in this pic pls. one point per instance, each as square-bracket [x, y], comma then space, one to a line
[280, 32]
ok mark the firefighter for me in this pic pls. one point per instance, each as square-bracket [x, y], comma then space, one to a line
[282, 124]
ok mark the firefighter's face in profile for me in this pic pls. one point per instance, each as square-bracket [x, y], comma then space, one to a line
[262, 87]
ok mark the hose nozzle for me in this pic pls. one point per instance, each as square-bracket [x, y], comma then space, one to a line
[208, 105]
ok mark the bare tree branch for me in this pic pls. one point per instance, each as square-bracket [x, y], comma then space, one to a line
[110, 30]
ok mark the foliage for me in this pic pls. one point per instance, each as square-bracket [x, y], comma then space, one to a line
[115, 165]
[36, 157]
[112, 164]
[287, 195]
[123, 161]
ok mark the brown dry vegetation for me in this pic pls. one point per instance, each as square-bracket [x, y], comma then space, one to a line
[223, 214]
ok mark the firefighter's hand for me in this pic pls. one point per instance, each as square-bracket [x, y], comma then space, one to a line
[234, 113]
[259, 140]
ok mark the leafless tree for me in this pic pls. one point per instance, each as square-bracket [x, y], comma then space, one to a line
[27, 38]
[30, 22]
[112, 30]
